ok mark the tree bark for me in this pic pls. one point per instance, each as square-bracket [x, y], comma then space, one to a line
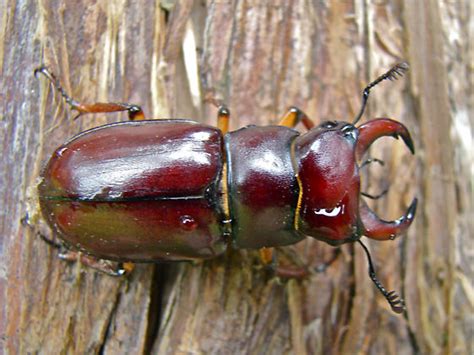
[259, 58]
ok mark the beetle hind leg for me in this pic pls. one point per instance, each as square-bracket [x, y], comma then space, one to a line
[109, 267]
[134, 112]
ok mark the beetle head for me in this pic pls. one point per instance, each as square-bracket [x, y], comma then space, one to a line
[330, 207]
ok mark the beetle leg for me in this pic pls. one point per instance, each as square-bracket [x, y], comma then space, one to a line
[304, 270]
[268, 258]
[109, 267]
[223, 113]
[291, 272]
[134, 111]
[223, 117]
[295, 116]
[324, 266]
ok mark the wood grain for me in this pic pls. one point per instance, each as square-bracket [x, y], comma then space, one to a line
[259, 57]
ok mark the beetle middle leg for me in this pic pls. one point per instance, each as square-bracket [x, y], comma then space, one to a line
[295, 116]
[134, 112]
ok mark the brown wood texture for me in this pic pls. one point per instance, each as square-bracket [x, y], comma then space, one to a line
[259, 57]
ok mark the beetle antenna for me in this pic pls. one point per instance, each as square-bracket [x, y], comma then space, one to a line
[396, 71]
[52, 78]
[396, 302]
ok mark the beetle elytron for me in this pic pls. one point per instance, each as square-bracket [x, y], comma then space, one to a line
[151, 190]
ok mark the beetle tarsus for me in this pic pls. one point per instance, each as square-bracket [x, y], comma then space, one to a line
[134, 111]
[51, 242]
[52, 78]
[397, 304]
[393, 74]
[109, 267]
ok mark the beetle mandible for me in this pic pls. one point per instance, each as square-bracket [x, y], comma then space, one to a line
[153, 190]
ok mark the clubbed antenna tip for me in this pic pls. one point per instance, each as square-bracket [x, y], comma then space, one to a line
[394, 300]
[393, 74]
[397, 71]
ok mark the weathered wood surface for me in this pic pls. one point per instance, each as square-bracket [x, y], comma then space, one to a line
[259, 57]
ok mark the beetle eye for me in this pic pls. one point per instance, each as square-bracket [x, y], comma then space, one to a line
[349, 131]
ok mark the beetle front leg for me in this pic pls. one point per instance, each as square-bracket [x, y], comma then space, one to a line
[268, 258]
[134, 112]
[295, 116]
[223, 113]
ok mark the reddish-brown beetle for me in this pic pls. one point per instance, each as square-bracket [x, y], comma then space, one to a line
[152, 190]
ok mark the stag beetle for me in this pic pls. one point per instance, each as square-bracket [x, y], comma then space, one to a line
[169, 189]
